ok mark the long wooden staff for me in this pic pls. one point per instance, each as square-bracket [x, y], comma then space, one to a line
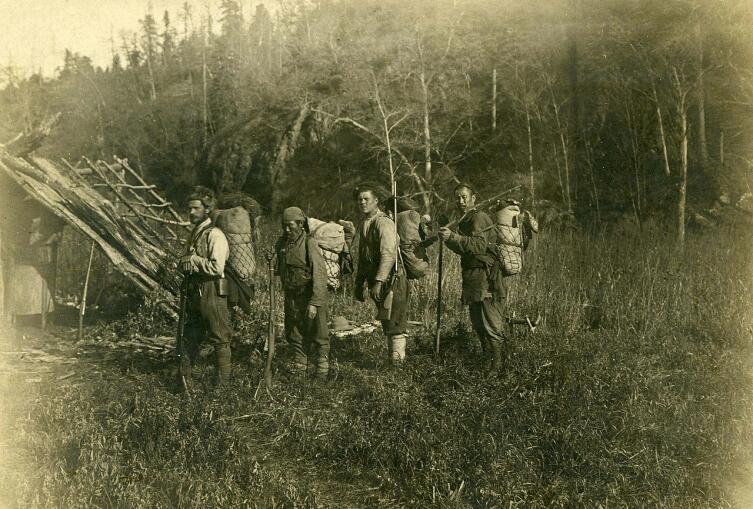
[271, 331]
[82, 308]
[439, 296]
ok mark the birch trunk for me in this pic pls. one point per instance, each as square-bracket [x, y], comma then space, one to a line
[662, 135]
[702, 144]
[494, 101]
[530, 155]
[565, 156]
[427, 141]
[682, 194]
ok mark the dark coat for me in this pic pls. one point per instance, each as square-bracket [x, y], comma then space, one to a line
[301, 268]
[476, 258]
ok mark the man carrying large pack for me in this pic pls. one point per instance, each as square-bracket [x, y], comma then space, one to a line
[304, 280]
[484, 288]
[207, 315]
[381, 271]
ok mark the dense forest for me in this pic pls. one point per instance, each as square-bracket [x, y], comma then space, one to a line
[605, 111]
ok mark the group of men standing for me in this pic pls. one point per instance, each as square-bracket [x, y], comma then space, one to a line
[380, 277]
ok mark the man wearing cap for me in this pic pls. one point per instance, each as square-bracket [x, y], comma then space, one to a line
[483, 289]
[207, 314]
[304, 281]
[380, 270]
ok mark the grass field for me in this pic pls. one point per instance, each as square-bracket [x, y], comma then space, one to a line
[635, 391]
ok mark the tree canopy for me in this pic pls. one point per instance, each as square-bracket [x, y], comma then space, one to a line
[601, 109]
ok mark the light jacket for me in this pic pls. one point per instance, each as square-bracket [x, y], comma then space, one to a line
[209, 250]
[377, 249]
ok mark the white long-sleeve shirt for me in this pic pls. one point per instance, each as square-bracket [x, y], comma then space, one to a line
[209, 250]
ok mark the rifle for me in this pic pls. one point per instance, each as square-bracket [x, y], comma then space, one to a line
[483, 204]
[179, 348]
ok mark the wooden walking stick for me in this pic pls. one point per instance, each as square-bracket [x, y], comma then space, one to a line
[439, 296]
[271, 330]
[82, 308]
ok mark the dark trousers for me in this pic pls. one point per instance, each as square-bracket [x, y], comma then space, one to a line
[207, 319]
[306, 337]
[488, 321]
[398, 321]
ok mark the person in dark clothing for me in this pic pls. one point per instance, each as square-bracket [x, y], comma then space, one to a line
[484, 290]
[207, 314]
[303, 274]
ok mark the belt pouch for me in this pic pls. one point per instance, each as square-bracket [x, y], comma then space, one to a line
[221, 287]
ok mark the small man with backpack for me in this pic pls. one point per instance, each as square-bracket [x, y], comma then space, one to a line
[207, 315]
[303, 274]
[484, 288]
[514, 231]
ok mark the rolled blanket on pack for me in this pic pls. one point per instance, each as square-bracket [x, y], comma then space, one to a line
[415, 259]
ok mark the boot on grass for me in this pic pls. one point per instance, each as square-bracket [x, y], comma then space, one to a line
[222, 358]
[495, 358]
[322, 364]
[397, 349]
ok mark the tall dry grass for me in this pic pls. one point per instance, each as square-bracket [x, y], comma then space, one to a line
[635, 391]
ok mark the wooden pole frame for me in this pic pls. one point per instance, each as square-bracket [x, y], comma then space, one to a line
[82, 307]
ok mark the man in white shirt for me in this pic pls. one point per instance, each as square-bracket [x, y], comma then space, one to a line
[207, 314]
[381, 272]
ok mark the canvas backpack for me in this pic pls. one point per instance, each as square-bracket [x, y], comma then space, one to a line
[235, 223]
[515, 230]
[413, 254]
[330, 237]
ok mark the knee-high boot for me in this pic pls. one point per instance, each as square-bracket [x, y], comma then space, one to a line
[322, 362]
[495, 361]
[222, 357]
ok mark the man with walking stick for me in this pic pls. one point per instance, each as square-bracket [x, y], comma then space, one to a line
[483, 289]
[207, 316]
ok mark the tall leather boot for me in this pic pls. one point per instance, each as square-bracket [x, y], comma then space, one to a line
[486, 354]
[322, 363]
[299, 362]
[222, 357]
[496, 357]
[397, 348]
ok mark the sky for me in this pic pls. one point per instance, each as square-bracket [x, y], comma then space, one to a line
[35, 33]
